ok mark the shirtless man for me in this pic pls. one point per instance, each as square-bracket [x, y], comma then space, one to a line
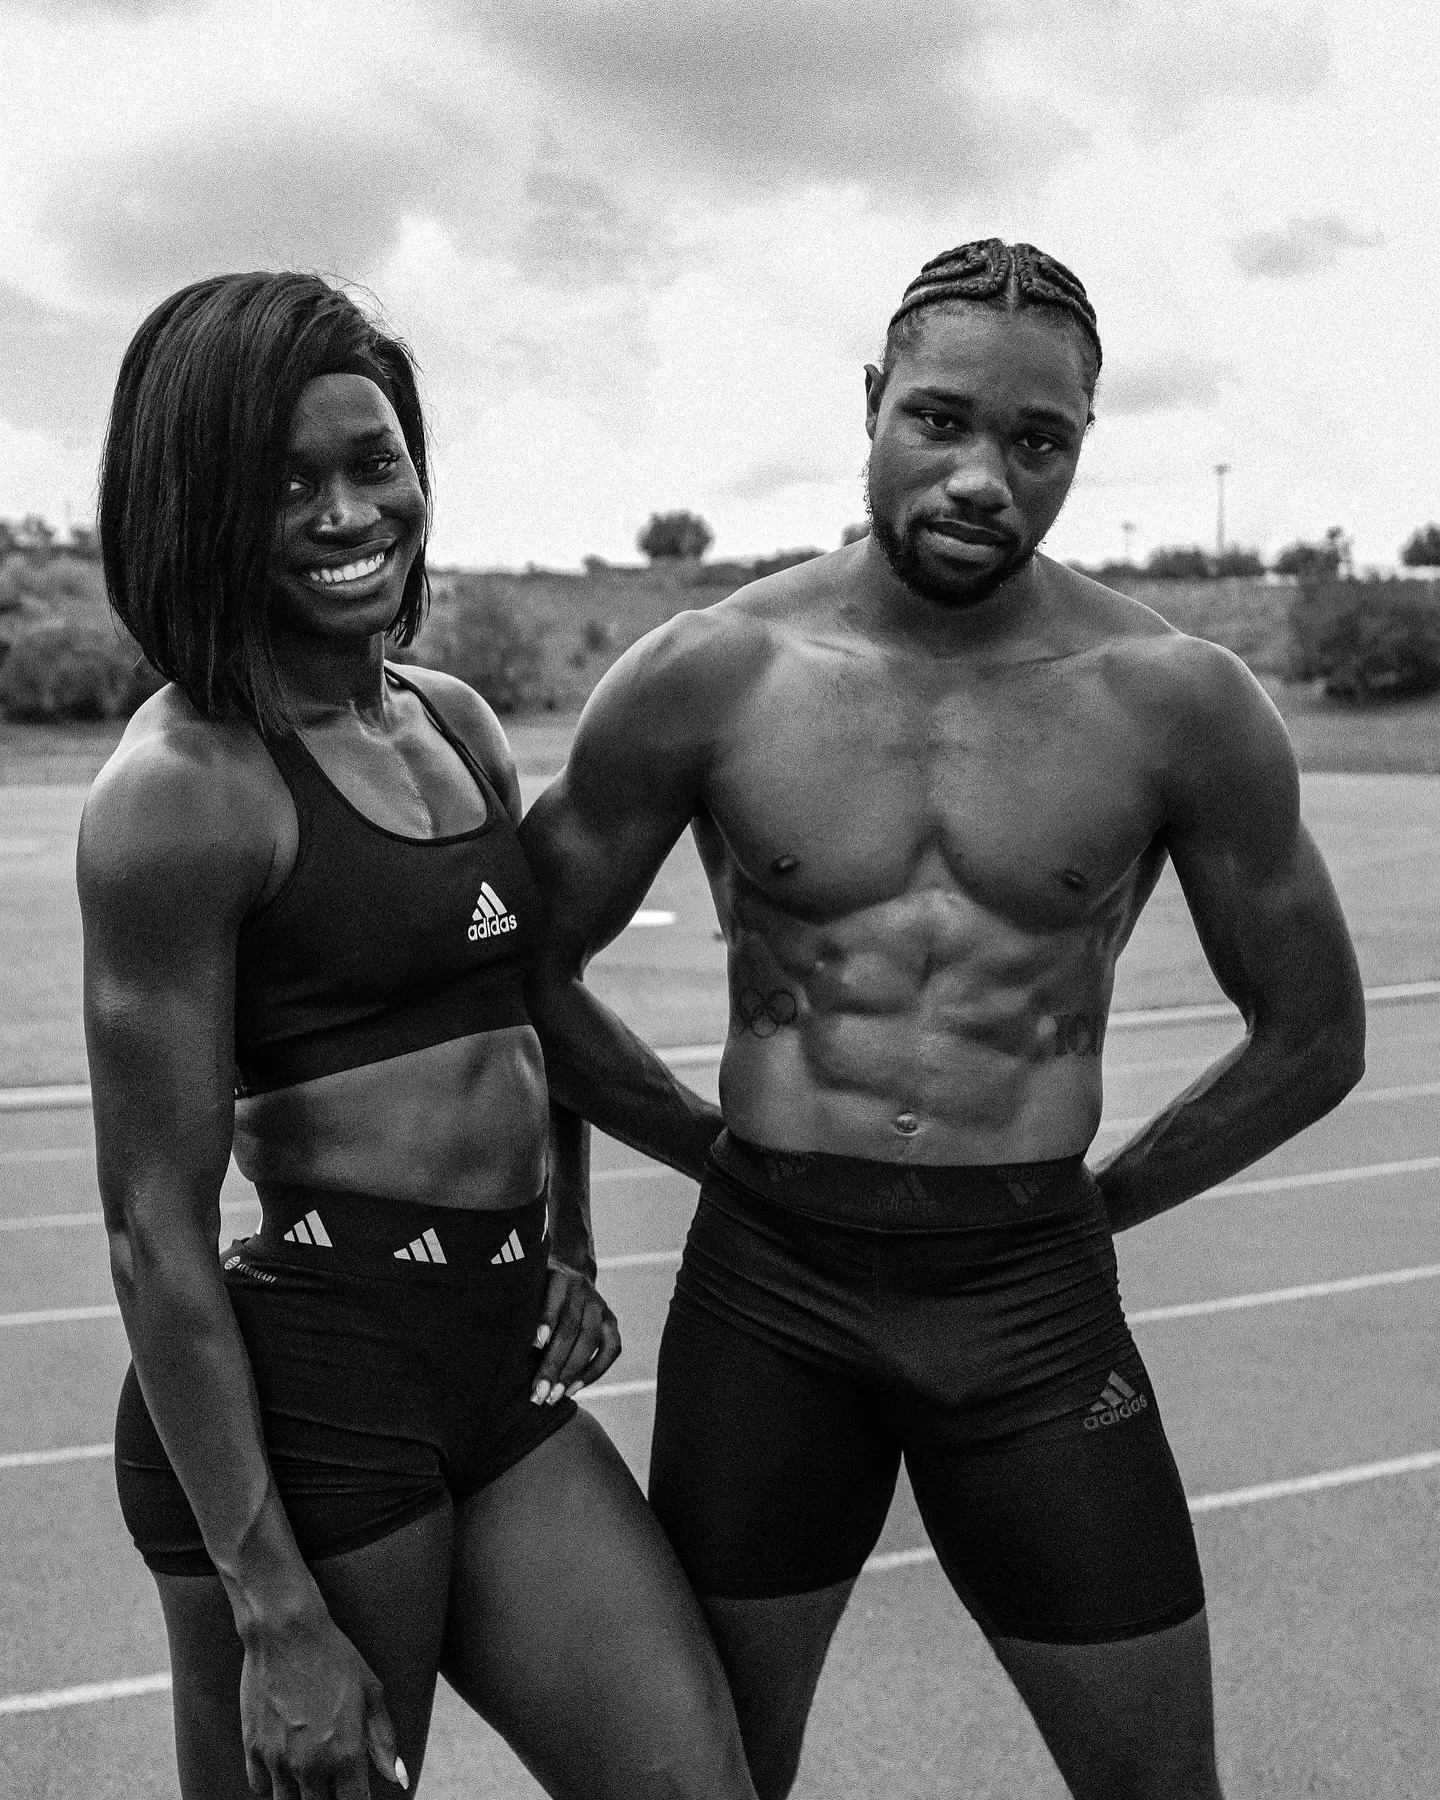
[933, 779]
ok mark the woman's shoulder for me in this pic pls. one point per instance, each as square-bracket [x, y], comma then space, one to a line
[466, 713]
[182, 798]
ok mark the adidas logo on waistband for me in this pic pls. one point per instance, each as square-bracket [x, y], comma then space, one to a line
[491, 915]
[425, 1248]
[510, 1251]
[1118, 1400]
[309, 1230]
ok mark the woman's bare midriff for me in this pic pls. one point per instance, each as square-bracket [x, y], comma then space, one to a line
[461, 1124]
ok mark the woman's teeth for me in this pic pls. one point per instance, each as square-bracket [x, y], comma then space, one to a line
[330, 577]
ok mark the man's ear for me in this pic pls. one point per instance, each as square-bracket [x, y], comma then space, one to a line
[874, 390]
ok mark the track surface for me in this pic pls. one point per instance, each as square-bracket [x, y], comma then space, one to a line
[1322, 1603]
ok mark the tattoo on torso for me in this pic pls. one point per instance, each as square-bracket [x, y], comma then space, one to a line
[762, 1014]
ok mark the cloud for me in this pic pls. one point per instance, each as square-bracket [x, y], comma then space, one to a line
[263, 189]
[1299, 247]
[1161, 384]
[773, 475]
[821, 91]
[59, 367]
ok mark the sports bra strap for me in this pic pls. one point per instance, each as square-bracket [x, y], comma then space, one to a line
[451, 737]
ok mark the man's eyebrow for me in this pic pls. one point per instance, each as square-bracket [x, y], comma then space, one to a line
[1046, 415]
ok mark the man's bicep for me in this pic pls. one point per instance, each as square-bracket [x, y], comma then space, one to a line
[594, 863]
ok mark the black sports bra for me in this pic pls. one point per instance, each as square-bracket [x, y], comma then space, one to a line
[379, 944]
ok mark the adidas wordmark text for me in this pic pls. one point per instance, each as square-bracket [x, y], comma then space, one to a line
[491, 915]
[1118, 1400]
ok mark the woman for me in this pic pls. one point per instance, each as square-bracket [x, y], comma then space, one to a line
[306, 914]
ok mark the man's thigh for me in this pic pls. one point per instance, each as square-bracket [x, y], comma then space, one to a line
[1128, 1720]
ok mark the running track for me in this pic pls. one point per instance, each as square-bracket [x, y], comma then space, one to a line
[1288, 1324]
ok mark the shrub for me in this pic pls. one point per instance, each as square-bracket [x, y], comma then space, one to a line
[1422, 548]
[1324, 561]
[1177, 562]
[59, 669]
[675, 537]
[1368, 641]
[58, 583]
[482, 630]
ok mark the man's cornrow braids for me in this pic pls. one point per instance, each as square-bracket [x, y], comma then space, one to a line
[990, 269]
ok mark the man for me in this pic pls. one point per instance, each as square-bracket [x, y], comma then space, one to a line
[933, 779]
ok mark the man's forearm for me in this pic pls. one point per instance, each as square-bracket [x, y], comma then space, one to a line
[1241, 1108]
[600, 1069]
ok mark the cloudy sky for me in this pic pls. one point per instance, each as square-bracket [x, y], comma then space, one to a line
[642, 250]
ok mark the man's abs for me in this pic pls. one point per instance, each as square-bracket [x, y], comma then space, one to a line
[889, 1038]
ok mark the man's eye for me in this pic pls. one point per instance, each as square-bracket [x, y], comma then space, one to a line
[294, 486]
[939, 421]
[1038, 444]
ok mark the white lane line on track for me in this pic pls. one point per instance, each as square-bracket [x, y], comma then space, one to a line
[39, 1459]
[1223, 1502]
[1280, 1184]
[129, 1688]
[59, 1315]
[1310, 1290]
[680, 1056]
[133, 1686]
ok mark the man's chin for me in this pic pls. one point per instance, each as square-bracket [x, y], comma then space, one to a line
[944, 584]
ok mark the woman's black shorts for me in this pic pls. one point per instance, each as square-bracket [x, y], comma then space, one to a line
[392, 1347]
[807, 1352]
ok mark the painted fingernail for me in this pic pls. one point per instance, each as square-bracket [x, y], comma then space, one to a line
[538, 1393]
[574, 1388]
[542, 1337]
[401, 1776]
[556, 1393]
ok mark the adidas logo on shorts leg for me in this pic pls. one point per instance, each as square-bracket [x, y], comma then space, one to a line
[491, 915]
[1118, 1400]
[510, 1251]
[309, 1230]
[425, 1248]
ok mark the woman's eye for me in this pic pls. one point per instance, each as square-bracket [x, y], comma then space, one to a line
[379, 466]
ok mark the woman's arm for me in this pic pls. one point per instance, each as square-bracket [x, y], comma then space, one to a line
[175, 846]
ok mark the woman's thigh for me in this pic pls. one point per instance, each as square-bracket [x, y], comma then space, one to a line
[388, 1598]
[572, 1630]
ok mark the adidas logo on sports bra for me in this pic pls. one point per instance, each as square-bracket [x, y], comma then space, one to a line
[491, 915]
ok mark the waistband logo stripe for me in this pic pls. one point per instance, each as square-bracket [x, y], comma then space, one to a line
[511, 1251]
[309, 1230]
[425, 1248]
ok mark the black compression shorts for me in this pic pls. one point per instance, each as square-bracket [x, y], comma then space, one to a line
[392, 1348]
[804, 1357]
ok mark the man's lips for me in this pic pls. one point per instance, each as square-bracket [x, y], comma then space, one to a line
[963, 532]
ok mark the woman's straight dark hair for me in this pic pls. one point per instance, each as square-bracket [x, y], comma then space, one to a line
[190, 477]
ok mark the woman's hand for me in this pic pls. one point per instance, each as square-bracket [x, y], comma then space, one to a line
[312, 1714]
[578, 1333]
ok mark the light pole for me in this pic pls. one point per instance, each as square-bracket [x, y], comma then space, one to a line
[1221, 471]
[1127, 531]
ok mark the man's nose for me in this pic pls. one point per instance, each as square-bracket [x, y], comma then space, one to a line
[977, 476]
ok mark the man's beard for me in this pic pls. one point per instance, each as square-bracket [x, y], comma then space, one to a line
[946, 587]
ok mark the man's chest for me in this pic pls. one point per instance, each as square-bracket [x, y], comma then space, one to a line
[1029, 791]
